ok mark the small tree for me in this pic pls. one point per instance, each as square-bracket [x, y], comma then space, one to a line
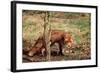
[47, 33]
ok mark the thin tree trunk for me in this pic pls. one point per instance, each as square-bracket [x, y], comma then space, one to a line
[47, 34]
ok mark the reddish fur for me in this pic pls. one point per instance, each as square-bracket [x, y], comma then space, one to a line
[57, 36]
[38, 47]
[68, 39]
[61, 37]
